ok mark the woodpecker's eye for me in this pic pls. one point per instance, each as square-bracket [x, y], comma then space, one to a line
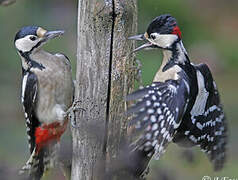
[152, 36]
[33, 38]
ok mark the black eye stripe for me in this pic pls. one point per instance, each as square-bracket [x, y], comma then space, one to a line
[33, 38]
[152, 36]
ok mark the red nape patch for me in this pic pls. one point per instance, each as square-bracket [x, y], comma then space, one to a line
[177, 31]
[46, 134]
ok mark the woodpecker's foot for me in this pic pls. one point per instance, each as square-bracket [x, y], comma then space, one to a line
[71, 110]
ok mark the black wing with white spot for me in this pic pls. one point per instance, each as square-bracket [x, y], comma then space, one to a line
[205, 125]
[158, 113]
[29, 97]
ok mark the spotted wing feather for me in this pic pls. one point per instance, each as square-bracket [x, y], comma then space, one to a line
[208, 129]
[158, 113]
[215, 126]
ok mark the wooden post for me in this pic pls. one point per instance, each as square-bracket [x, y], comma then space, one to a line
[104, 77]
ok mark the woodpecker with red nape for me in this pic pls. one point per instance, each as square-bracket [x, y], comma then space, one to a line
[46, 95]
[181, 105]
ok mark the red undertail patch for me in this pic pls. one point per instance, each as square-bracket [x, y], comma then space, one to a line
[47, 134]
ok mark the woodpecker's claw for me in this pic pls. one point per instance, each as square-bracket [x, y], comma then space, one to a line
[70, 112]
[74, 108]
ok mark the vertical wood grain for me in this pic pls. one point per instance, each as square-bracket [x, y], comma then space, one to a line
[103, 78]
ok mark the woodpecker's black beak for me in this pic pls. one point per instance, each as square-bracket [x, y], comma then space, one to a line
[139, 37]
[142, 37]
[52, 34]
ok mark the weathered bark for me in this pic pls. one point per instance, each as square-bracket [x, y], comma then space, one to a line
[104, 77]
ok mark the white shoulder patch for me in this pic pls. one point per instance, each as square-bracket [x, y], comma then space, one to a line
[24, 86]
[201, 99]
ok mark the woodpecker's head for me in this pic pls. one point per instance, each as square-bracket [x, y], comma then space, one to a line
[31, 38]
[162, 33]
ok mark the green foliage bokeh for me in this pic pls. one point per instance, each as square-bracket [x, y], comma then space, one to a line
[209, 32]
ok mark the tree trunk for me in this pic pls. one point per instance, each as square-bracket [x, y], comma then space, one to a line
[104, 77]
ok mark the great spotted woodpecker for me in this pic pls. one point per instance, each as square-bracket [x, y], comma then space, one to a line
[46, 95]
[181, 105]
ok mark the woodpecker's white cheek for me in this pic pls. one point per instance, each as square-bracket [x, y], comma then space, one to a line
[165, 40]
[25, 44]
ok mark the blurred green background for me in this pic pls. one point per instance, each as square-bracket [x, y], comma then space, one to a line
[209, 32]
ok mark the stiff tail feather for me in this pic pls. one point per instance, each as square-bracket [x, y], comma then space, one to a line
[40, 162]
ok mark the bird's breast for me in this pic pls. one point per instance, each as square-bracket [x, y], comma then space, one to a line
[171, 73]
[55, 91]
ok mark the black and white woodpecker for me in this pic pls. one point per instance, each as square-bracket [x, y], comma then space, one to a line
[181, 105]
[46, 95]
